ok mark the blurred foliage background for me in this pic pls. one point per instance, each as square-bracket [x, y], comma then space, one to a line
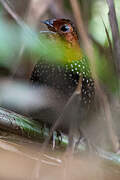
[22, 44]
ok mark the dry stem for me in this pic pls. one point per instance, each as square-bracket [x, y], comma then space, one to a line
[90, 53]
[115, 33]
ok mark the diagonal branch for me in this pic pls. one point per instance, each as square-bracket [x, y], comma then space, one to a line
[27, 30]
[115, 33]
[90, 53]
[10, 11]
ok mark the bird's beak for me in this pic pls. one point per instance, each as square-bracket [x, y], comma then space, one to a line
[50, 24]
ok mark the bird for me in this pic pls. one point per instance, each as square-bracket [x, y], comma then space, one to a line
[63, 80]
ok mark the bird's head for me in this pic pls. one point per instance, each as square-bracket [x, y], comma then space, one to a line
[65, 28]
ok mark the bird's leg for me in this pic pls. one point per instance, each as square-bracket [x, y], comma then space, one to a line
[53, 140]
[59, 136]
[81, 139]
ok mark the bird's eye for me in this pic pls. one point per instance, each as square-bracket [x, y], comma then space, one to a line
[65, 28]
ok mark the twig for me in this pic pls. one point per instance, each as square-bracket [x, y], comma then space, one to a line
[115, 33]
[28, 32]
[90, 53]
[108, 37]
[111, 58]
[13, 14]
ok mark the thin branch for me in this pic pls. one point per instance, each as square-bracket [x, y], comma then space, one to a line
[115, 33]
[108, 37]
[28, 31]
[90, 53]
[111, 57]
[11, 12]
